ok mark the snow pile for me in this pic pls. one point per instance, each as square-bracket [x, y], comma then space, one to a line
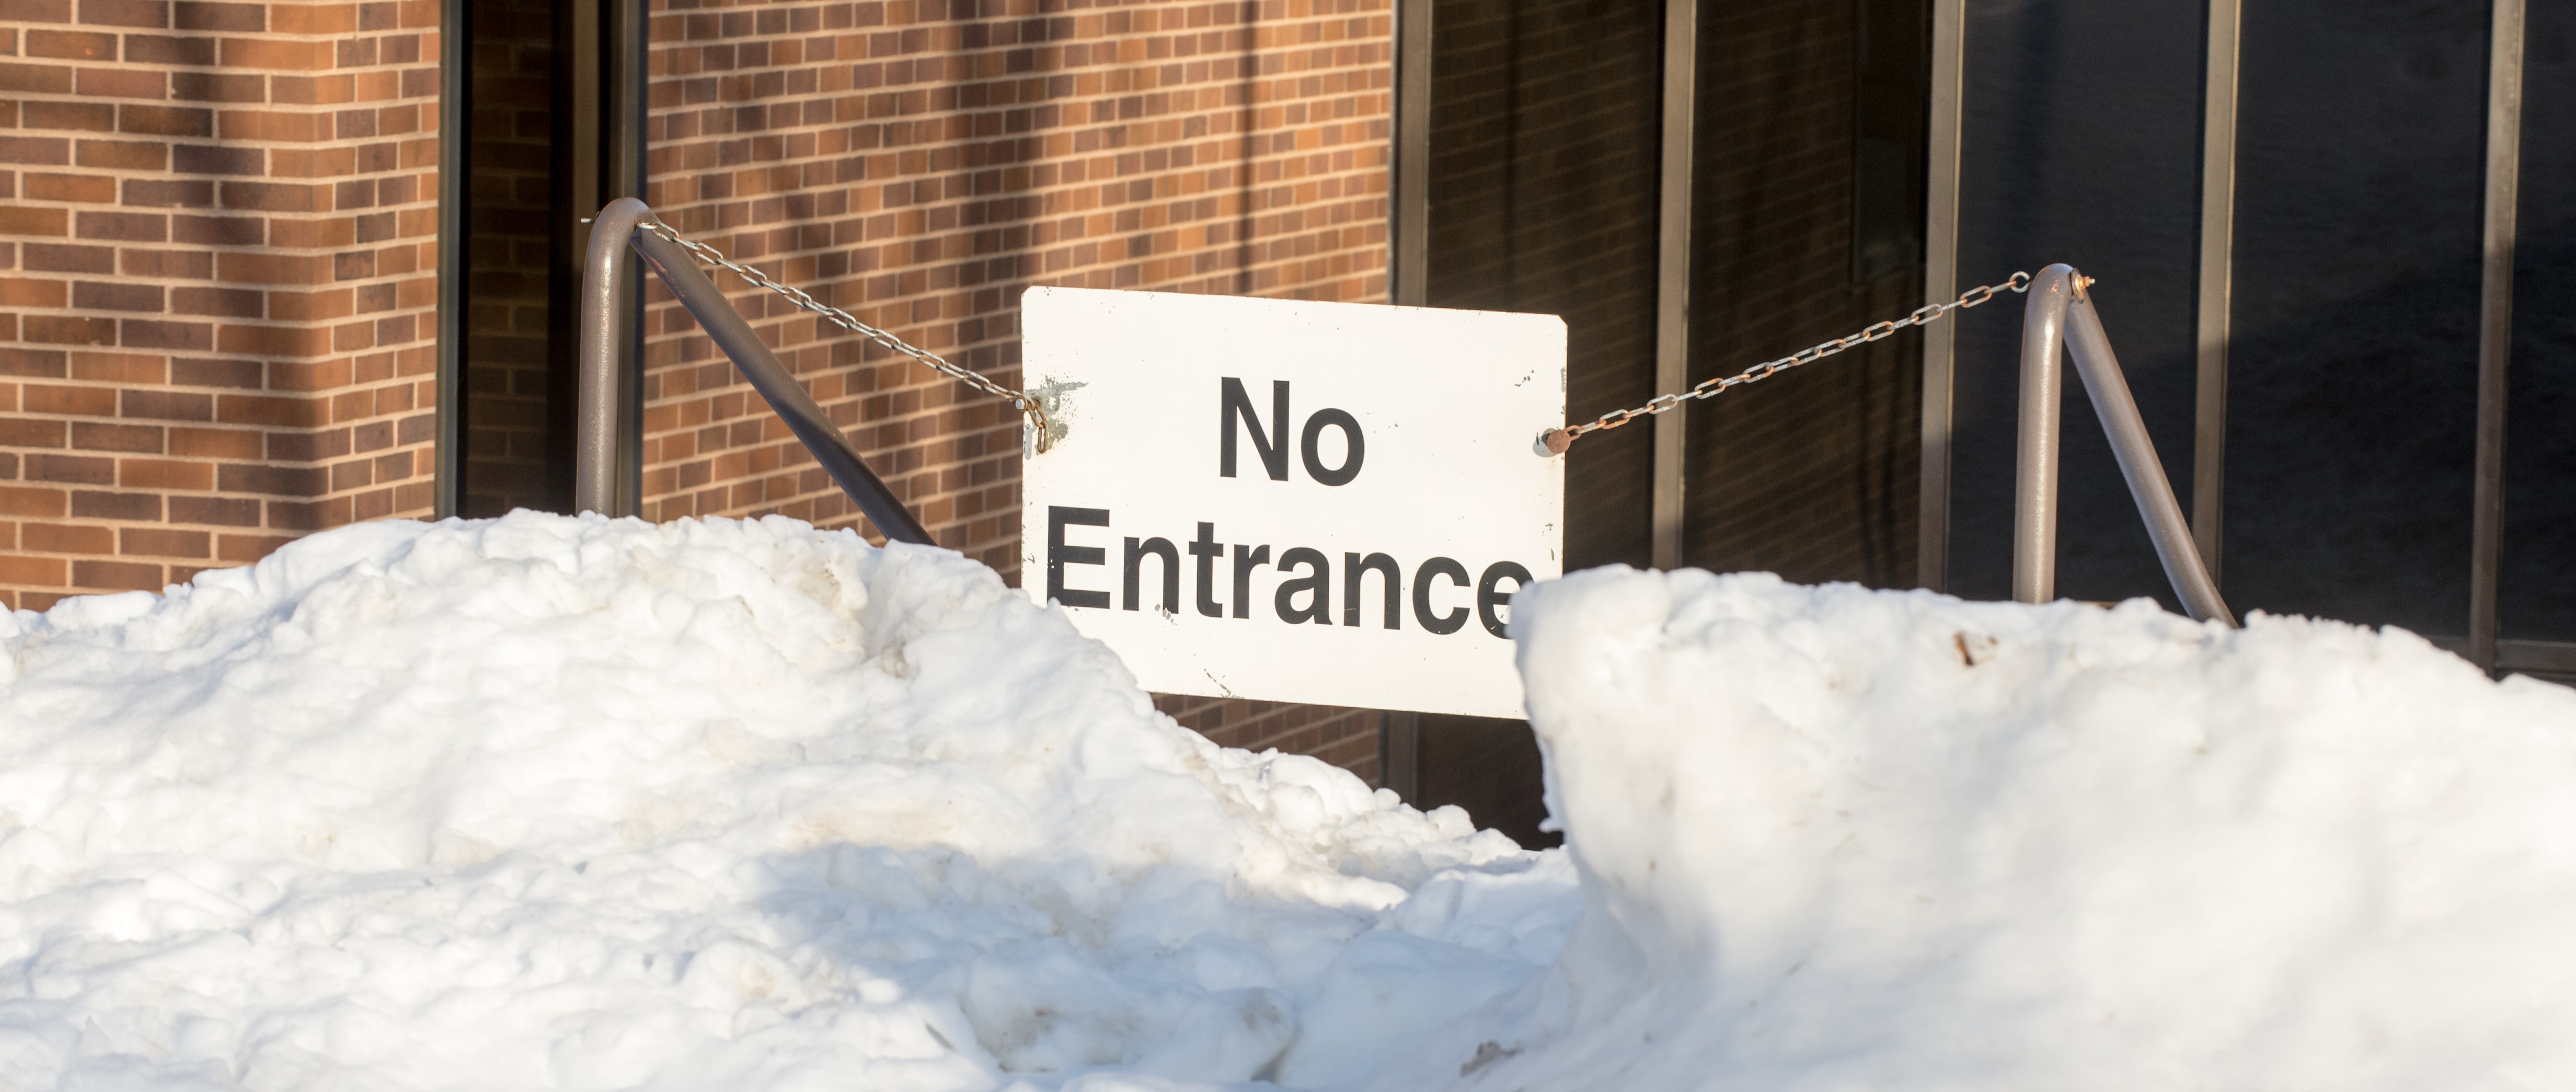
[1832, 838]
[554, 803]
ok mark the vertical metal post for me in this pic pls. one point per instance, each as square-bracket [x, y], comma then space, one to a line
[600, 311]
[1940, 285]
[625, 69]
[1672, 276]
[2043, 397]
[446, 490]
[2217, 280]
[1412, 213]
[2495, 321]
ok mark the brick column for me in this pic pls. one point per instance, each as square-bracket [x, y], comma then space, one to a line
[217, 228]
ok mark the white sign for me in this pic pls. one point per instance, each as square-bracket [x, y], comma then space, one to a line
[1291, 501]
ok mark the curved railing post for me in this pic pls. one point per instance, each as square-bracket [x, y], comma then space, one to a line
[596, 447]
[2043, 380]
[2061, 315]
[603, 289]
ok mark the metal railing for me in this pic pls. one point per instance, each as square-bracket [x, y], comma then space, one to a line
[2060, 313]
[602, 291]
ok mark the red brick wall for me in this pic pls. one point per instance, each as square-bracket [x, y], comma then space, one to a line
[922, 161]
[216, 267]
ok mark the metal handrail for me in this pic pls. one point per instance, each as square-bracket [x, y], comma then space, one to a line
[2060, 313]
[603, 288]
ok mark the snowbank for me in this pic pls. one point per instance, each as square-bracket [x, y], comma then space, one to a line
[1832, 838]
[555, 803]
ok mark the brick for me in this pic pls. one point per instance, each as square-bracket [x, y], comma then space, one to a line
[225, 302]
[164, 474]
[239, 409]
[102, 504]
[41, 79]
[122, 155]
[32, 363]
[215, 443]
[215, 511]
[314, 516]
[287, 481]
[116, 575]
[311, 306]
[32, 220]
[127, 369]
[307, 447]
[70, 258]
[217, 159]
[220, 231]
[62, 538]
[218, 86]
[169, 192]
[95, 117]
[39, 571]
[286, 341]
[103, 296]
[122, 83]
[89, 188]
[22, 292]
[133, 227]
[237, 268]
[71, 469]
[31, 432]
[168, 264]
[105, 436]
[68, 330]
[275, 54]
[252, 18]
[35, 151]
[126, 13]
[36, 11]
[244, 549]
[180, 121]
[269, 197]
[164, 542]
[337, 19]
[239, 374]
[163, 406]
[162, 49]
[165, 334]
[36, 502]
[71, 45]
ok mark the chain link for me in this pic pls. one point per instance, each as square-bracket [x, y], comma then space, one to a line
[1558, 439]
[1024, 401]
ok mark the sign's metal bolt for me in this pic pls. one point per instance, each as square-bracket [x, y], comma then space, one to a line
[1554, 441]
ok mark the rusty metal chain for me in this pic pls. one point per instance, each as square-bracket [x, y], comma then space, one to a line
[1024, 401]
[1556, 440]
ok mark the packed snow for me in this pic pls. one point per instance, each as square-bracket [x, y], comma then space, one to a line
[1832, 838]
[571, 803]
[557, 803]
